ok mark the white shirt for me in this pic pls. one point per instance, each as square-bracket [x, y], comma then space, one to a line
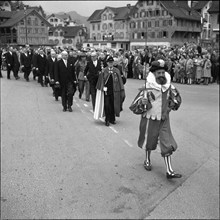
[95, 63]
[65, 62]
[53, 59]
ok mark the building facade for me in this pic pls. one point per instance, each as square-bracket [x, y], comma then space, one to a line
[67, 36]
[24, 27]
[61, 20]
[214, 18]
[109, 28]
[168, 23]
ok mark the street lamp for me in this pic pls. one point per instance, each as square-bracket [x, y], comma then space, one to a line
[25, 13]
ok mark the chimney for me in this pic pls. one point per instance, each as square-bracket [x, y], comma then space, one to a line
[129, 6]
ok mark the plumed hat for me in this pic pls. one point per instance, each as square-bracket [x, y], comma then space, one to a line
[158, 65]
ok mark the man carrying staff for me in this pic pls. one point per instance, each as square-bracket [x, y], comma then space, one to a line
[155, 123]
[66, 78]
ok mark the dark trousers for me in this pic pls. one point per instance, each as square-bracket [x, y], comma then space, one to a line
[27, 72]
[55, 92]
[41, 78]
[109, 108]
[67, 92]
[15, 71]
[9, 69]
[93, 94]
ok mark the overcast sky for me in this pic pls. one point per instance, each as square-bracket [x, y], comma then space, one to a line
[85, 8]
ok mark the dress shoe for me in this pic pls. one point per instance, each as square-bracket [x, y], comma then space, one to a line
[17, 77]
[56, 99]
[147, 165]
[70, 109]
[27, 80]
[173, 175]
[64, 109]
[107, 123]
[8, 78]
[42, 84]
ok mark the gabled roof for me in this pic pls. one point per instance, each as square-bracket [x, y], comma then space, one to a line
[19, 15]
[120, 13]
[68, 31]
[61, 16]
[200, 5]
[214, 7]
[180, 9]
[6, 14]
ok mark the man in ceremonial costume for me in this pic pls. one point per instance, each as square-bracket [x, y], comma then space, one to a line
[111, 85]
[66, 78]
[155, 123]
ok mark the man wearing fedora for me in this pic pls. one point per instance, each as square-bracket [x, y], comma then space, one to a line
[154, 128]
[91, 72]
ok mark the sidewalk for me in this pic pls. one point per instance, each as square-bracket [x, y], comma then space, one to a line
[197, 198]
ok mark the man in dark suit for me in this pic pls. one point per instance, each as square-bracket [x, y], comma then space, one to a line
[91, 73]
[51, 60]
[25, 59]
[65, 76]
[34, 64]
[41, 67]
[16, 64]
[9, 61]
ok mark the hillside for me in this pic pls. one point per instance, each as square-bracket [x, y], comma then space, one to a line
[77, 17]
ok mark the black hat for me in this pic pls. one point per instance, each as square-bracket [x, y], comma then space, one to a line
[158, 65]
[110, 59]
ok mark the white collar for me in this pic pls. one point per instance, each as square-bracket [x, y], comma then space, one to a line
[151, 81]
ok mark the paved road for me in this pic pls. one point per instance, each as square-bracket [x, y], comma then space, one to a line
[66, 165]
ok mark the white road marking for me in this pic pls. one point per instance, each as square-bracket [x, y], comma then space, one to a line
[127, 142]
[91, 111]
[113, 129]
[77, 105]
[85, 105]
[74, 100]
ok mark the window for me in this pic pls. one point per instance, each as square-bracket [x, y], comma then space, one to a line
[104, 26]
[61, 33]
[42, 30]
[56, 20]
[121, 35]
[150, 13]
[139, 24]
[142, 35]
[36, 21]
[122, 25]
[110, 26]
[157, 23]
[170, 22]
[136, 15]
[51, 20]
[150, 2]
[110, 17]
[99, 36]
[93, 27]
[36, 30]
[55, 33]
[50, 32]
[153, 34]
[164, 22]
[22, 22]
[29, 21]
[157, 12]
[104, 17]
[42, 23]
[98, 26]
[149, 23]
[165, 34]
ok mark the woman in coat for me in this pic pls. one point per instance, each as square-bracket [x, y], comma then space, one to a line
[207, 69]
